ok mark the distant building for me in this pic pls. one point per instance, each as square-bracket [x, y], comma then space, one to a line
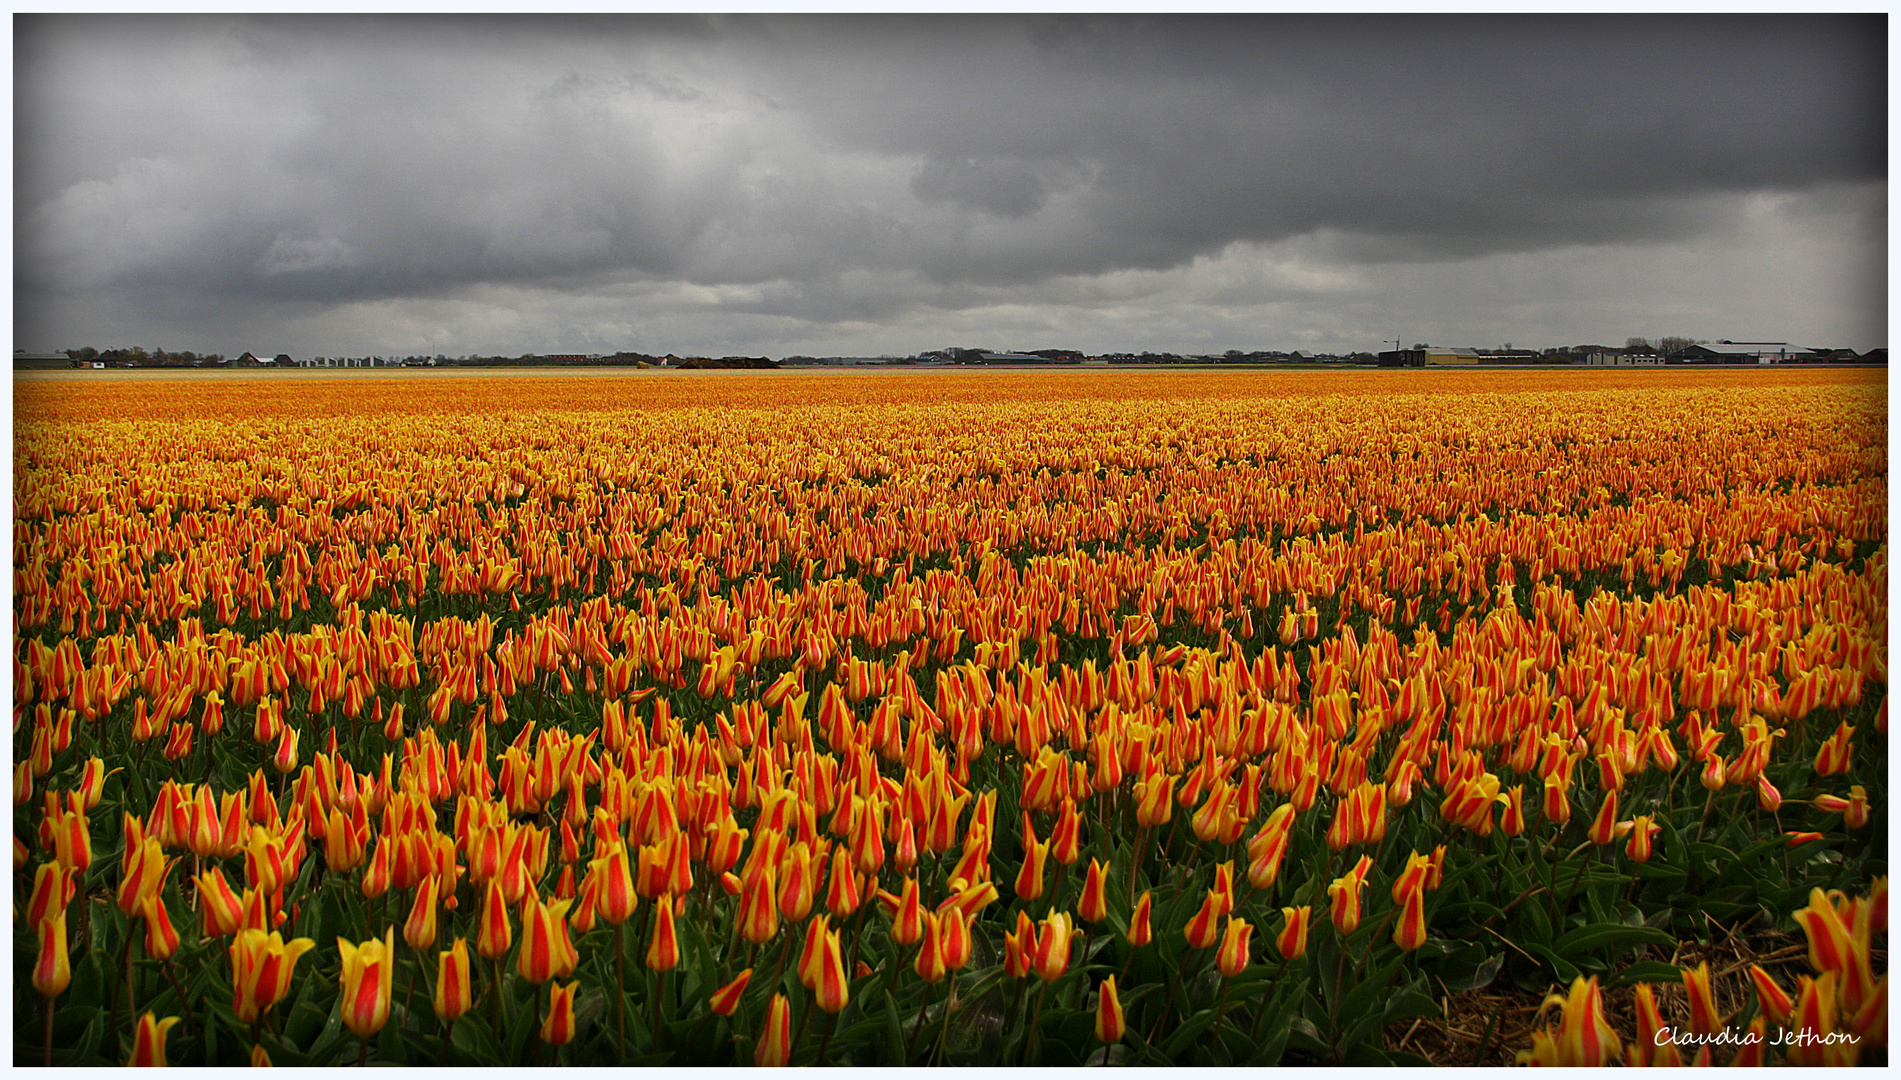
[1741, 352]
[1014, 358]
[42, 361]
[1623, 358]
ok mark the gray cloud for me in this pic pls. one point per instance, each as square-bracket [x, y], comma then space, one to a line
[779, 182]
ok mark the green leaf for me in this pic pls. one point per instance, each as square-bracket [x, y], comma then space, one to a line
[1408, 1004]
[1602, 936]
[1366, 1055]
[1471, 968]
[1188, 1033]
[1564, 969]
[1650, 971]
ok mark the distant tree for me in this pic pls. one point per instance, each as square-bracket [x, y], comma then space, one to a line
[1668, 345]
[1637, 344]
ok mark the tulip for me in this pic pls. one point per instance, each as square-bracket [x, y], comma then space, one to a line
[260, 1059]
[1870, 1022]
[1050, 958]
[284, 758]
[1153, 804]
[1232, 958]
[1829, 940]
[1704, 1019]
[1767, 797]
[841, 890]
[1292, 940]
[807, 966]
[955, 944]
[907, 923]
[92, 785]
[663, 949]
[53, 970]
[1093, 906]
[72, 840]
[930, 956]
[419, 930]
[546, 950]
[1205, 926]
[1815, 1012]
[1017, 946]
[1604, 826]
[558, 1028]
[1139, 932]
[1066, 835]
[1029, 880]
[1836, 755]
[220, 910]
[496, 933]
[1410, 934]
[453, 991]
[261, 967]
[1513, 823]
[344, 842]
[1224, 888]
[618, 897]
[1345, 895]
[904, 854]
[1583, 1037]
[1856, 814]
[178, 746]
[1413, 878]
[1641, 835]
[726, 998]
[759, 907]
[1557, 799]
[1110, 1023]
[800, 883]
[368, 980]
[1648, 1049]
[161, 939]
[1750, 1055]
[830, 987]
[1268, 847]
[148, 1041]
[376, 877]
[775, 1040]
[53, 889]
[1770, 996]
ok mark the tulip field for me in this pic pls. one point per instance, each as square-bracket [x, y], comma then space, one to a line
[951, 718]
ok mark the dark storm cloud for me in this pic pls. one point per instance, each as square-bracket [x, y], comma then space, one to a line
[840, 169]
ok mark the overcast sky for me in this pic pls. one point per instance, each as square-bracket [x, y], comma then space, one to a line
[854, 185]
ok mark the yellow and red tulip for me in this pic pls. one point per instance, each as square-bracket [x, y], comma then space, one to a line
[148, 1040]
[369, 978]
[453, 990]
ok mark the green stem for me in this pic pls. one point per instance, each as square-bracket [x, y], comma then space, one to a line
[943, 1034]
[831, 1022]
[495, 1003]
[191, 1023]
[620, 991]
[1266, 1000]
[1036, 1020]
[910, 1042]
